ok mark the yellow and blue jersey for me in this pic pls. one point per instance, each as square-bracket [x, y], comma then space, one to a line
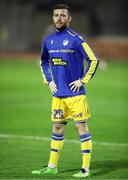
[62, 60]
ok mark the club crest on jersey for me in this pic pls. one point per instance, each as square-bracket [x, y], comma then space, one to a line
[51, 41]
[65, 42]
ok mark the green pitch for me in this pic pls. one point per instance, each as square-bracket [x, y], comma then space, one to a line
[25, 127]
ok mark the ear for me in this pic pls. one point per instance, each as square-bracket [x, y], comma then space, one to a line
[70, 18]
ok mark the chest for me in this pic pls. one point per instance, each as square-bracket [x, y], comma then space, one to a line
[60, 45]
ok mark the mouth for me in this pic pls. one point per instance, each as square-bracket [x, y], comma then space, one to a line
[59, 23]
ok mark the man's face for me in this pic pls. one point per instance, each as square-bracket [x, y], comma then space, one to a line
[61, 18]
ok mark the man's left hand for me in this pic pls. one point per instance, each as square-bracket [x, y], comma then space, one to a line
[76, 85]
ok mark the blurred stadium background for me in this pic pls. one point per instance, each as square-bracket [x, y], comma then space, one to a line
[25, 102]
[23, 24]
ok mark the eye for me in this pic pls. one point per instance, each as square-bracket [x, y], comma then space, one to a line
[63, 15]
[55, 15]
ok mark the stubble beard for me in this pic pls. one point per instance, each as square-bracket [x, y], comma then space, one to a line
[61, 28]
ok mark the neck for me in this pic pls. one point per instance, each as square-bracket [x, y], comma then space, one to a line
[61, 29]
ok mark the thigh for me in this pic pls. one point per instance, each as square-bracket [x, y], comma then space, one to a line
[78, 107]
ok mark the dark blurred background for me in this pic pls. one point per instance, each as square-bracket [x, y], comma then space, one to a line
[24, 23]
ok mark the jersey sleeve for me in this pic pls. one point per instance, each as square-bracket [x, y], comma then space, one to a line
[90, 57]
[45, 67]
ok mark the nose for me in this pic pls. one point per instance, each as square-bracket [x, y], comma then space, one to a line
[59, 17]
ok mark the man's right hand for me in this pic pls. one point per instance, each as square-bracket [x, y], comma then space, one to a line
[53, 87]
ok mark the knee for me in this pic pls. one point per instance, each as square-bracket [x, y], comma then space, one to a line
[82, 128]
[58, 128]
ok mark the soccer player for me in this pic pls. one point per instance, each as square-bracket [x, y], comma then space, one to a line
[62, 63]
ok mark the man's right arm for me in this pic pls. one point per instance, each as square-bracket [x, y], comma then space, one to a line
[45, 68]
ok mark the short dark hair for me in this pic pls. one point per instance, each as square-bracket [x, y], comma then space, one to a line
[62, 6]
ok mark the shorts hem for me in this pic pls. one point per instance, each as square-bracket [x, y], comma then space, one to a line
[59, 122]
[80, 121]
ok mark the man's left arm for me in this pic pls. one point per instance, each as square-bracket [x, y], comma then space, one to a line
[92, 62]
[90, 57]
